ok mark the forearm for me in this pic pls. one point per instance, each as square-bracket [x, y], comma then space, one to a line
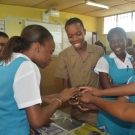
[109, 85]
[48, 98]
[38, 116]
[124, 90]
[120, 110]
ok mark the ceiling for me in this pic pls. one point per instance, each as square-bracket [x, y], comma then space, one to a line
[77, 6]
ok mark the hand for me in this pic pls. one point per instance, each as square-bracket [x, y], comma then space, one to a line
[93, 91]
[82, 106]
[85, 97]
[67, 93]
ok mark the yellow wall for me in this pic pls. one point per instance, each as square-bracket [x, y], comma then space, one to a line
[13, 27]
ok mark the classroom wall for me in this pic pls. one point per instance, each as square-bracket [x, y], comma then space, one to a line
[15, 15]
[19, 12]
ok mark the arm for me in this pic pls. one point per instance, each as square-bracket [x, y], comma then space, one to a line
[128, 89]
[48, 98]
[105, 81]
[37, 116]
[66, 83]
[124, 90]
[102, 68]
[123, 111]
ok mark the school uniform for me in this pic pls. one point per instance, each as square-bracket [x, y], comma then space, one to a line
[19, 89]
[120, 72]
[132, 99]
[80, 72]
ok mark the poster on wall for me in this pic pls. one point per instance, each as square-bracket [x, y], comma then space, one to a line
[2, 25]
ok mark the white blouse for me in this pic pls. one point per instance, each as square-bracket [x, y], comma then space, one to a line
[103, 66]
[26, 84]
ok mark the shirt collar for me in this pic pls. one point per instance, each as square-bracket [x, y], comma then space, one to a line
[89, 49]
[17, 55]
[112, 55]
[14, 56]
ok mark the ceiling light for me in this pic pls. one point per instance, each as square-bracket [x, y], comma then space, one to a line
[96, 4]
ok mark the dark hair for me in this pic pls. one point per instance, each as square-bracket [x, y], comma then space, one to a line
[74, 20]
[116, 30]
[129, 42]
[30, 34]
[2, 34]
[99, 43]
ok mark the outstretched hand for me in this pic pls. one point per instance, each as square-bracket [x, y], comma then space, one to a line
[67, 93]
[93, 91]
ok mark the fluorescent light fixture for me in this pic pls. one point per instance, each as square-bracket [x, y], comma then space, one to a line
[96, 4]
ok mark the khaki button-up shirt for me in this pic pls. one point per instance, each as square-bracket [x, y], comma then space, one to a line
[80, 71]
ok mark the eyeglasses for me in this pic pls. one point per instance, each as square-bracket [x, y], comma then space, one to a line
[2, 44]
[120, 40]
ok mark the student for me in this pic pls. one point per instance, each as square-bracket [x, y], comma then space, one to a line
[3, 40]
[119, 68]
[76, 65]
[20, 92]
[129, 48]
[120, 110]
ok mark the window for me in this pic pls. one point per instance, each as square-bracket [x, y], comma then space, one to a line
[109, 21]
[133, 27]
[125, 21]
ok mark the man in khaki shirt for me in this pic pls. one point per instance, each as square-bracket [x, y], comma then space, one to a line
[76, 64]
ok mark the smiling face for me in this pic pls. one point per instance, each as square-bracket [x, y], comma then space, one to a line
[118, 43]
[76, 35]
[43, 57]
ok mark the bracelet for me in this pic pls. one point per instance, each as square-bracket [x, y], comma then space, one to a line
[57, 100]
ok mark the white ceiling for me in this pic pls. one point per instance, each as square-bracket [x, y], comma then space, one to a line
[77, 6]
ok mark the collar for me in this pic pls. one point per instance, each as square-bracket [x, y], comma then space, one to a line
[112, 55]
[17, 55]
[89, 49]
